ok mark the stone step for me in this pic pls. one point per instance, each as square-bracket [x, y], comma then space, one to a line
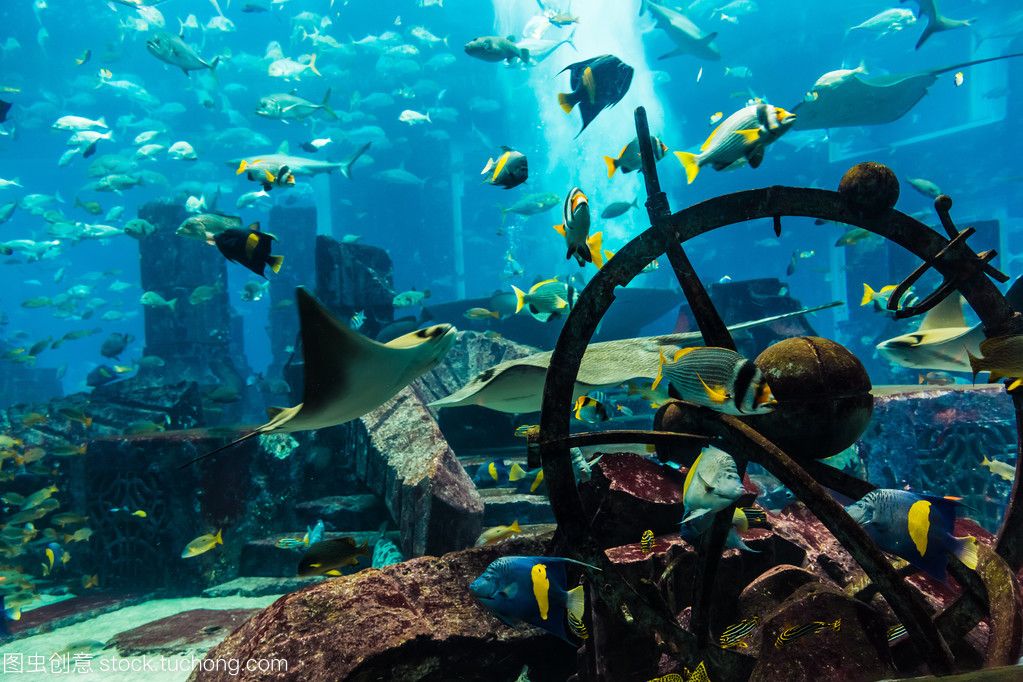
[252, 586]
[344, 512]
[263, 558]
[501, 506]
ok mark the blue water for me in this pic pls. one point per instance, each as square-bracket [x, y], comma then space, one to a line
[965, 138]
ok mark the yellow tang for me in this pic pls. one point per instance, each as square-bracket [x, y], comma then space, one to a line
[541, 589]
[919, 520]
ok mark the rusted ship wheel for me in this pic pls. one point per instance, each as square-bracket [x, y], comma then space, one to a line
[865, 199]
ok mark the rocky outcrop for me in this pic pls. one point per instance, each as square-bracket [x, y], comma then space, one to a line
[424, 486]
[414, 621]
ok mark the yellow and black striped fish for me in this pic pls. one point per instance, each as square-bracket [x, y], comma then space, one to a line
[813, 627]
[647, 541]
[732, 637]
[896, 632]
[577, 626]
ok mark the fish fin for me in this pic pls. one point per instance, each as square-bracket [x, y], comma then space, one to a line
[560, 229]
[520, 298]
[868, 295]
[312, 65]
[714, 395]
[691, 516]
[241, 167]
[488, 167]
[515, 527]
[660, 372]
[326, 104]
[275, 263]
[691, 165]
[346, 166]
[516, 473]
[575, 601]
[750, 135]
[218, 539]
[756, 157]
[947, 314]
[966, 551]
[560, 303]
[612, 166]
[595, 244]
[565, 100]
[975, 366]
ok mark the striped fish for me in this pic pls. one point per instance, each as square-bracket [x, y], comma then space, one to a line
[646, 542]
[717, 378]
[732, 637]
[575, 228]
[577, 627]
[743, 136]
[896, 632]
[813, 627]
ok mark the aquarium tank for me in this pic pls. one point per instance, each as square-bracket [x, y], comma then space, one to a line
[511, 340]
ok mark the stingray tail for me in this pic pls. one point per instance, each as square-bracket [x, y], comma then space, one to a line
[964, 65]
[237, 441]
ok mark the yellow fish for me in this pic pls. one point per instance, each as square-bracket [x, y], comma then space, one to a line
[201, 545]
[498, 533]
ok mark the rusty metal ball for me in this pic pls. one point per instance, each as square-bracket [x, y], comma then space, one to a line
[871, 188]
[823, 394]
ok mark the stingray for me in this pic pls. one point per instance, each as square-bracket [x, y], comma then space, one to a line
[346, 374]
[516, 386]
[863, 100]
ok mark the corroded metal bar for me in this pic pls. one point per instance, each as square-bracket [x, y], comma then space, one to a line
[996, 315]
[907, 604]
[623, 437]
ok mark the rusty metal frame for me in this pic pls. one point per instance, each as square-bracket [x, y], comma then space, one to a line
[950, 257]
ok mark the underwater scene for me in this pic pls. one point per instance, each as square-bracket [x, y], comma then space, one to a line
[511, 340]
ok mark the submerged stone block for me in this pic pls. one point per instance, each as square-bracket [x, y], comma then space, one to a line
[198, 629]
[412, 621]
[412, 467]
[354, 277]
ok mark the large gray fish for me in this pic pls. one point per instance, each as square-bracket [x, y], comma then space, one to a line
[687, 36]
[516, 386]
[291, 107]
[496, 49]
[172, 49]
[256, 166]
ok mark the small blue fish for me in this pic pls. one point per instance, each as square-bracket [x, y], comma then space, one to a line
[533, 590]
[532, 483]
[357, 319]
[917, 528]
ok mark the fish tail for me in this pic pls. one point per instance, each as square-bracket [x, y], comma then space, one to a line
[312, 65]
[218, 539]
[595, 244]
[612, 165]
[691, 165]
[275, 263]
[868, 294]
[515, 527]
[516, 473]
[575, 602]
[326, 104]
[520, 298]
[975, 364]
[966, 551]
[567, 101]
[173, 304]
